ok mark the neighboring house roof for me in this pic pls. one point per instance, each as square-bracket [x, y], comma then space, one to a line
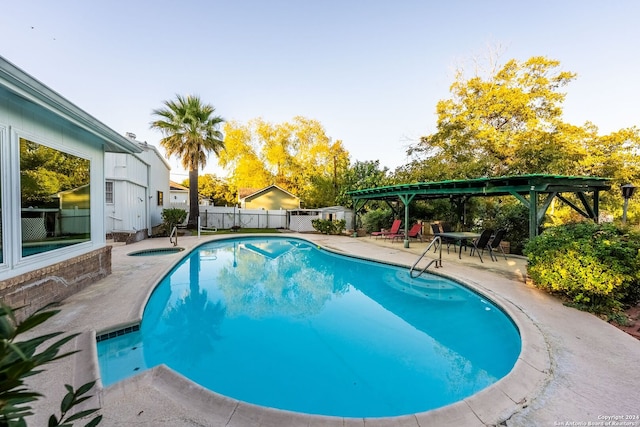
[266, 189]
[25, 86]
[78, 197]
[331, 209]
[174, 186]
[244, 192]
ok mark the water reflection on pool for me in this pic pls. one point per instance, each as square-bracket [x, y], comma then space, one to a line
[281, 323]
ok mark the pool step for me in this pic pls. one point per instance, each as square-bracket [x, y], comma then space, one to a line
[430, 287]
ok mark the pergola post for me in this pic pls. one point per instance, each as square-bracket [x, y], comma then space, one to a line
[533, 212]
[406, 199]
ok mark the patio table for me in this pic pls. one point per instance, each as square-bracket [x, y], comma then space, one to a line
[459, 236]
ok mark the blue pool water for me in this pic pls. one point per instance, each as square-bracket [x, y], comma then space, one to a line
[279, 322]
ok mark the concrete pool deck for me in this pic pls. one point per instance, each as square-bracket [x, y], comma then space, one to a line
[574, 367]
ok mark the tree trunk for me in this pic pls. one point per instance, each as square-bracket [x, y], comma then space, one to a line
[194, 208]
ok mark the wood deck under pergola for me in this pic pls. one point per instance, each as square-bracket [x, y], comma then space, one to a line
[535, 191]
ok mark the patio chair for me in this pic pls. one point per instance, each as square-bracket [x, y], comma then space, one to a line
[494, 245]
[435, 228]
[415, 232]
[395, 228]
[482, 243]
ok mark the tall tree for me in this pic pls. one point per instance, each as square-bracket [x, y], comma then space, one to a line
[297, 156]
[191, 132]
[215, 189]
[489, 123]
[510, 123]
[359, 176]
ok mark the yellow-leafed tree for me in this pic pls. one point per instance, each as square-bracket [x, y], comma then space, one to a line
[297, 156]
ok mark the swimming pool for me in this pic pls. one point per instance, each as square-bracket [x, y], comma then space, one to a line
[339, 336]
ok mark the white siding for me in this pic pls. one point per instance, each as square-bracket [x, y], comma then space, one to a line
[158, 181]
[180, 198]
[19, 118]
[137, 180]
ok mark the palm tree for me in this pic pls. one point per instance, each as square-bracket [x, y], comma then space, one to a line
[191, 133]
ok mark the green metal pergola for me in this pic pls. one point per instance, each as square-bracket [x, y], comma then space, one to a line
[535, 191]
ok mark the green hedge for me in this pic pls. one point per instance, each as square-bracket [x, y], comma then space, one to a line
[596, 266]
[377, 219]
[326, 226]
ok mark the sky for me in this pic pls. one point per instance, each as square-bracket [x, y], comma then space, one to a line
[371, 72]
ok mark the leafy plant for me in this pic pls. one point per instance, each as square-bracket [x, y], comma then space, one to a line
[339, 226]
[327, 226]
[597, 267]
[71, 399]
[21, 359]
[377, 219]
[172, 217]
[512, 216]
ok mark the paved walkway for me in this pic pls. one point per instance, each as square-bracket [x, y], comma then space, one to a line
[574, 368]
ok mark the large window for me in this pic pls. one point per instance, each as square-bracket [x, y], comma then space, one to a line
[55, 198]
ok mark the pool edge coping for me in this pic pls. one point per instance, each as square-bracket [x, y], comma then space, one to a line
[492, 405]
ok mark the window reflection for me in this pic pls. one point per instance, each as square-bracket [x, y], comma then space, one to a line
[55, 198]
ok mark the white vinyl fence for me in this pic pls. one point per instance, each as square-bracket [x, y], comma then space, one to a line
[299, 220]
[227, 217]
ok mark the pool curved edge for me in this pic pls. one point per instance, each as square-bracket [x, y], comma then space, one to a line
[493, 405]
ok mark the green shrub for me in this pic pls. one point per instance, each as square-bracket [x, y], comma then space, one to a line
[339, 226]
[596, 266]
[172, 218]
[327, 226]
[377, 219]
[513, 217]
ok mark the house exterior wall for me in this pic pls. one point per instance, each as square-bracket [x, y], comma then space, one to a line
[127, 213]
[337, 215]
[137, 180]
[34, 278]
[21, 119]
[180, 199]
[159, 171]
[272, 198]
[42, 286]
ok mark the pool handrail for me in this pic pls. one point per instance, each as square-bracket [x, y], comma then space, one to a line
[174, 231]
[438, 261]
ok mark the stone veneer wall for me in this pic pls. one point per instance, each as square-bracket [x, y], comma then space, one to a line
[38, 288]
